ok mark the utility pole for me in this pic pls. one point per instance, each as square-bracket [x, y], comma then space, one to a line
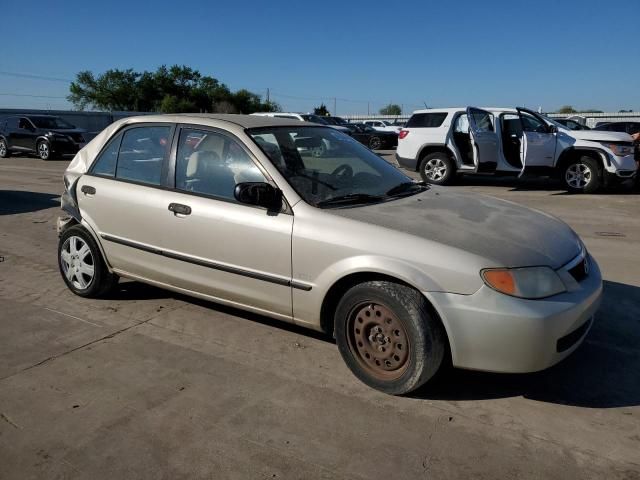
[267, 94]
[368, 109]
[335, 113]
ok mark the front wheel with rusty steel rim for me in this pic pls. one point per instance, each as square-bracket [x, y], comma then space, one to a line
[388, 336]
[378, 340]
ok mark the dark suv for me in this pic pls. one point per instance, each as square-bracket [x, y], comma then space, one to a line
[44, 135]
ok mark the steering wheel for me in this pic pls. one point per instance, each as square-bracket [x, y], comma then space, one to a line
[343, 172]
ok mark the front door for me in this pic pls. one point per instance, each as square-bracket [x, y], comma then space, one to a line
[538, 140]
[484, 139]
[220, 247]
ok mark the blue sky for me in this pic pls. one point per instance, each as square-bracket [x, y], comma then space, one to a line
[503, 53]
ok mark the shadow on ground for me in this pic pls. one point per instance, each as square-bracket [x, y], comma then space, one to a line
[534, 183]
[602, 373]
[16, 201]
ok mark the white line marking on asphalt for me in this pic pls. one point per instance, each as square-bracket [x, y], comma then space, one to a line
[71, 316]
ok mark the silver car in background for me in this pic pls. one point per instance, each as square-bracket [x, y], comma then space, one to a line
[237, 210]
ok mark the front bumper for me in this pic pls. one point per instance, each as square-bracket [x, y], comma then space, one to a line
[66, 147]
[494, 332]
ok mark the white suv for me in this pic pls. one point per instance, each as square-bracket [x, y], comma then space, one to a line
[304, 117]
[442, 142]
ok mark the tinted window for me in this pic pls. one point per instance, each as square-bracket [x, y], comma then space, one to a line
[426, 120]
[212, 164]
[12, 122]
[107, 160]
[24, 123]
[141, 154]
[633, 127]
[532, 124]
[483, 120]
[50, 122]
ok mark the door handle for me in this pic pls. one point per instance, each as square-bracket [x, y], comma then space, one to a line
[88, 190]
[180, 209]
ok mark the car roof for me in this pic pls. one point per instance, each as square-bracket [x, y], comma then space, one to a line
[245, 121]
[462, 109]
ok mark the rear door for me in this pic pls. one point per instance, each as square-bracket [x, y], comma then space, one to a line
[123, 199]
[25, 135]
[484, 139]
[538, 140]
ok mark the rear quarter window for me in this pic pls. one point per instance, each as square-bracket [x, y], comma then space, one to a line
[426, 120]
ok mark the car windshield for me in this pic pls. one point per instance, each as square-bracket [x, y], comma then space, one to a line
[50, 122]
[329, 169]
[315, 119]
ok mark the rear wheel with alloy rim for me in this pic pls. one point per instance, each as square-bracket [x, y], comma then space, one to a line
[375, 143]
[4, 151]
[437, 168]
[387, 336]
[582, 175]
[44, 150]
[81, 264]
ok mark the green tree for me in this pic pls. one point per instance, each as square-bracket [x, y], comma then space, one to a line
[567, 109]
[321, 110]
[169, 89]
[391, 109]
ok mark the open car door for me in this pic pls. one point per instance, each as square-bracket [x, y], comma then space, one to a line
[484, 139]
[538, 143]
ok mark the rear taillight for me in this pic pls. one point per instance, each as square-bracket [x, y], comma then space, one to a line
[402, 134]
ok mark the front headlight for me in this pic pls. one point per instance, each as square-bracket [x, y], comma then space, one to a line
[528, 282]
[619, 149]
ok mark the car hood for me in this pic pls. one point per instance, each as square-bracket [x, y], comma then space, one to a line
[503, 233]
[600, 136]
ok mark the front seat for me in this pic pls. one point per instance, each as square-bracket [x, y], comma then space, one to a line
[207, 174]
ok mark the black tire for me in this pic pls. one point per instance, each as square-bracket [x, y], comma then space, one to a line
[43, 150]
[4, 149]
[582, 175]
[405, 344]
[102, 281]
[375, 143]
[438, 168]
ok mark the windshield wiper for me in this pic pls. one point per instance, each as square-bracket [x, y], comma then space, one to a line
[351, 199]
[407, 187]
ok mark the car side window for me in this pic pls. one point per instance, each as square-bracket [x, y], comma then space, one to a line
[483, 120]
[24, 123]
[106, 162]
[462, 124]
[213, 164]
[532, 124]
[142, 153]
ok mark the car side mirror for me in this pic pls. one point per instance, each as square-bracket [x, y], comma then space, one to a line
[261, 194]
[552, 129]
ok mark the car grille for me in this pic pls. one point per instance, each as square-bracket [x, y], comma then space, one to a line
[77, 137]
[581, 270]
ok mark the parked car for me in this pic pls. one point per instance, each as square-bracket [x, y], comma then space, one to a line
[374, 139]
[403, 274]
[382, 125]
[44, 135]
[306, 117]
[571, 124]
[626, 127]
[440, 143]
[336, 121]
